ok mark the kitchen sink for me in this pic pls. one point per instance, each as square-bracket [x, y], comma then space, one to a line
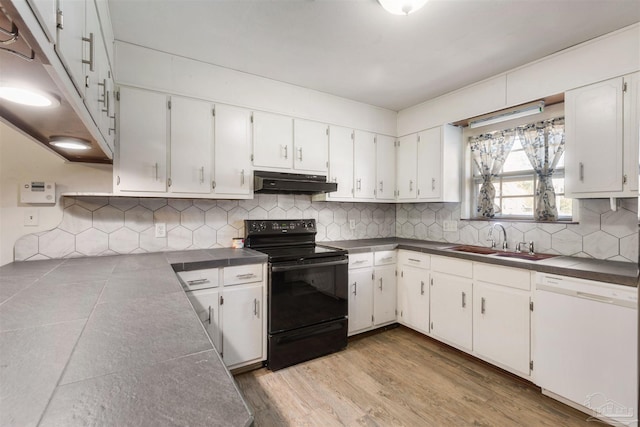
[482, 250]
[526, 256]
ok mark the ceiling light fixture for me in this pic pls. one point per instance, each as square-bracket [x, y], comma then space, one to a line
[69, 143]
[402, 7]
[512, 113]
[30, 97]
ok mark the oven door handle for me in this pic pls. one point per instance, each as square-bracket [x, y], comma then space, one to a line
[275, 268]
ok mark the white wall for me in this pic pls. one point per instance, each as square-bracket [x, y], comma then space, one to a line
[23, 160]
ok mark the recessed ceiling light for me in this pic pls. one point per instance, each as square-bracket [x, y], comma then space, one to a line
[69, 143]
[402, 7]
[30, 97]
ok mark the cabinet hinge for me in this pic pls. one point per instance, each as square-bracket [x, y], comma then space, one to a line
[396, 273]
[251, 117]
[60, 20]
[418, 138]
[531, 365]
[624, 179]
[402, 274]
[372, 321]
[117, 93]
[374, 192]
[373, 276]
[624, 86]
[118, 180]
[213, 111]
[169, 104]
[327, 164]
[353, 135]
[252, 157]
[169, 182]
[213, 185]
[431, 281]
[531, 306]
[221, 300]
[375, 139]
[327, 130]
[431, 325]
[418, 191]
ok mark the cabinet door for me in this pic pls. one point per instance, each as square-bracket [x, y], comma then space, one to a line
[311, 146]
[142, 153]
[364, 173]
[45, 11]
[501, 325]
[414, 298]
[94, 51]
[232, 151]
[384, 295]
[242, 324]
[272, 140]
[385, 167]
[594, 138]
[430, 164]
[191, 145]
[206, 304]
[360, 299]
[451, 309]
[341, 162]
[406, 167]
[70, 46]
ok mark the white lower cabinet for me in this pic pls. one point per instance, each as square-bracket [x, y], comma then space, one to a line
[360, 299]
[452, 301]
[384, 295]
[230, 304]
[413, 290]
[502, 316]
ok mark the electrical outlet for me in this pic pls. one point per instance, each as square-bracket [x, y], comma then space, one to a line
[449, 225]
[161, 229]
[352, 224]
[31, 217]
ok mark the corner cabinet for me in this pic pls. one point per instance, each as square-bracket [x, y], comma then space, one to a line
[601, 131]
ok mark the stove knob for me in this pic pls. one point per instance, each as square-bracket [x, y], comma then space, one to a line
[263, 226]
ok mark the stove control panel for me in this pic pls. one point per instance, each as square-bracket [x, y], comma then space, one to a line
[280, 226]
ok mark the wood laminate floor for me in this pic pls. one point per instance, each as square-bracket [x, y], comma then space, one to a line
[399, 378]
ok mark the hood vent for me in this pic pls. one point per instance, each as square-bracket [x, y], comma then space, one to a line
[291, 183]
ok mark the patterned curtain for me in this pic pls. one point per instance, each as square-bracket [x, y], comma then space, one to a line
[543, 142]
[489, 152]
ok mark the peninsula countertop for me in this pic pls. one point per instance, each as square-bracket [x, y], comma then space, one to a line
[112, 341]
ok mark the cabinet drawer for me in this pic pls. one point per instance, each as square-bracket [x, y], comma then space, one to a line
[361, 260]
[199, 279]
[453, 266]
[242, 274]
[505, 276]
[415, 259]
[385, 257]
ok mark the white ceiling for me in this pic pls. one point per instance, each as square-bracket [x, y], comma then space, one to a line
[354, 49]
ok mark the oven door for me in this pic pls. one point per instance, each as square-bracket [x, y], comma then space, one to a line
[306, 293]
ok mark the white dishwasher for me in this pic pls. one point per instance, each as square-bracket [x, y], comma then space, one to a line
[586, 346]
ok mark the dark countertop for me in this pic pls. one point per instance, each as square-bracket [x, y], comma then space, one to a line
[112, 341]
[621, 273]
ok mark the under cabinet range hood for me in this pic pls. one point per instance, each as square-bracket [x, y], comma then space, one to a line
[291, 183]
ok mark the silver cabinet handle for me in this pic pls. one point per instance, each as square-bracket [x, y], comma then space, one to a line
[421, 288]
[464, 300]
[103, 98]
[90, 61]
[359, 184]
[245, 276]
[286, 151]
[360, 261]
[482, 303]
[255, 307]
[433, 184]
[380, 287]
[381, 186]
[202, 175]
[210, 314]
[242, 177]
[300, 151]
[414, 260]
[410, 185]
[197, 282]
[389, 258]
[355, 288]
[581, 171]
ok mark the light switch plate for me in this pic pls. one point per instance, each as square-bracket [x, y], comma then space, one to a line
[449, 225]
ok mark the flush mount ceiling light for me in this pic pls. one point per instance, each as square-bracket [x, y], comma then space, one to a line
[402, 7]
[69, 143]
[30, 97]
[512, 113]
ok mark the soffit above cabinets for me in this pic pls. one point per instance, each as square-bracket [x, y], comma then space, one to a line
[40, 123]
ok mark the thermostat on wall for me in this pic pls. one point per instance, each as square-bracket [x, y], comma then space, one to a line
[38, 192]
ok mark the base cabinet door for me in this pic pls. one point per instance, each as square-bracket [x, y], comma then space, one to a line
[384, 298]
[414, 298]
[501, 325]
[206, 304]
[451, 309]
[360, 299]
[242, 313]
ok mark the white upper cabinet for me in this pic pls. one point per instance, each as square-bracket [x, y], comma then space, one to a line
[272, 141]
[364, 165]
[191, 145]
[429, 166]
[311, 146]
[46, 11]
[406, 167]
[341, 162]
[232, 171]
[601, 131]
[385, 168]
[141, 160]
[70, 44]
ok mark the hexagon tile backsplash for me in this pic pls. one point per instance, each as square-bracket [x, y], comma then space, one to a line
[121, 225]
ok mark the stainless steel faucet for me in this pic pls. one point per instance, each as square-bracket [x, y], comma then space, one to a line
[504, 234]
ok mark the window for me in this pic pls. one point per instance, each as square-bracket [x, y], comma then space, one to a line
[516, 182]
